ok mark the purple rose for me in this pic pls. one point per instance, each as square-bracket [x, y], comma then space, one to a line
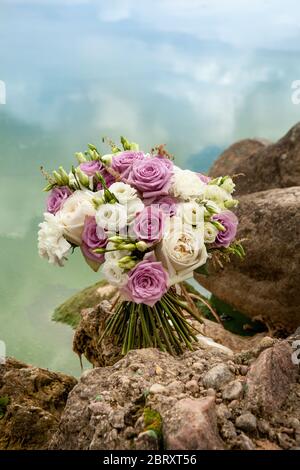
[122, 162]
[147, 282]
[151, 176]
[167, 204]
[149, 223]
[108, 178]
[204, 178]
[230, 222]
[93, 237]
[57, 197]
[92, 167]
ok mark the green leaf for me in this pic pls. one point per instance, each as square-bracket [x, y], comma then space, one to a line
[202, 270]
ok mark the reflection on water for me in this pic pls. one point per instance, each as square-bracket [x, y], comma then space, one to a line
[189, 74]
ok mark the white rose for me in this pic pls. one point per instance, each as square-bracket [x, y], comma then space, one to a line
[181, 251]
[186, 184]
[124, 192]
[114, 274]
[114, 256]
[216, 194]
[210, 232]
[111, 217]
[51, 243]
[191, 214]
[73, 213]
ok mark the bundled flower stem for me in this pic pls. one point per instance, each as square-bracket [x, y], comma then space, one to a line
[162, 326]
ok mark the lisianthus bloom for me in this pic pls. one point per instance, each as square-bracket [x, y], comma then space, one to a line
[123, 161]
[149, 224]
[57, 198]
[123, 192]
[230, 223]
[147, 282]
[51, 243]
[151, 176]
[115, 275]
[93, 237]
[186, 184]
[111, 217]
[192, 214]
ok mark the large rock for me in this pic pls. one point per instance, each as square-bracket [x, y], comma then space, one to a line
[263, 166]
[110, 406]
[151, 400]
[266, 284]
[35, 399]
[192, 425]
[270, 378]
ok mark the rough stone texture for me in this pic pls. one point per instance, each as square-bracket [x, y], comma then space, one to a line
[231, 159]
[192, 425]
[270, 377]
[37, 398]
[264, 166]
[107, 409]
[88, 333]
[217, 376]
[233, 390]
[266, 284]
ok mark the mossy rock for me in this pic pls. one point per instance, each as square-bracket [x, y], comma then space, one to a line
[69, 311]
[4, 402]
[153, 422]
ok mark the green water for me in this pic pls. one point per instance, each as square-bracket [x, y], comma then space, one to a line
[193, 75]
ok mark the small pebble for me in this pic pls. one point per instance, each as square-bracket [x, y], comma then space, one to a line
[247, 422]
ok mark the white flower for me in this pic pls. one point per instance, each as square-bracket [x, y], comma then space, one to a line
[73, 213]
[114, 274]
[181, 251]
[114, 256]
[51, 243]
[111, 217]
[186, 184]
[216, 194]
[124, 192]
[210, 232]
[191, 214]
[133, 208]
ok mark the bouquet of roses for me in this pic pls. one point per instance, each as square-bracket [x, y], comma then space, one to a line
[150, 225]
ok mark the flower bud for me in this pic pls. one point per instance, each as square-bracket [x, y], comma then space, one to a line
[127, 262]
[227, 184]
[81, 158]
[97, 201]
[218, 225]
[231, 203]
[58, 178]
[125, 143]
[134, 146]
[141, 246]
[128, 246]
[83, 178]
[116, 239]
[107, 159]
[64, 175]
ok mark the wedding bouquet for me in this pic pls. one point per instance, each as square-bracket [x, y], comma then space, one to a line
[150, 225]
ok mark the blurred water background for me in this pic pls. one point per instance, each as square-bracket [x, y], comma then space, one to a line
[196, 75]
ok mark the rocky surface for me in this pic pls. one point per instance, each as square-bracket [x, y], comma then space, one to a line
[205, 399]
[263, 164]
[33, 401]
[265, 285]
